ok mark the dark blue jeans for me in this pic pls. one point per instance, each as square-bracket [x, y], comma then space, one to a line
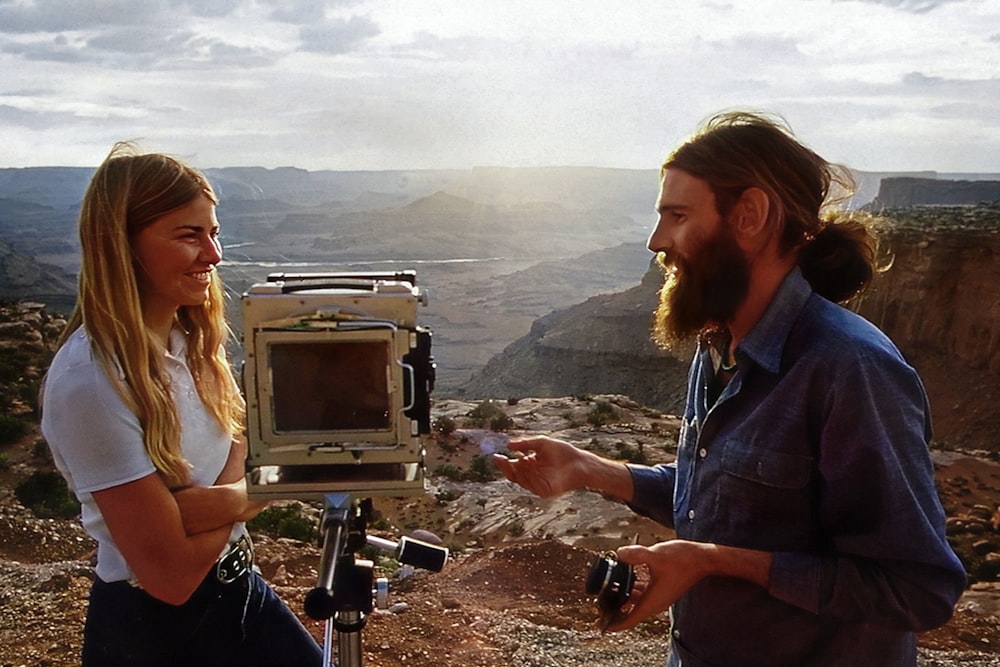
[243, 623]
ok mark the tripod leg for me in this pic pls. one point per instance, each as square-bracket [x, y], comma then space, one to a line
[349, 652]
[328, 644]
[349, 643]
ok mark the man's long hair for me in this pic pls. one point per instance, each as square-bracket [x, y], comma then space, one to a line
[128, 192]
[733, 151]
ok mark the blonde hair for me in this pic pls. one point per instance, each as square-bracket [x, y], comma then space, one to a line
[128, 192]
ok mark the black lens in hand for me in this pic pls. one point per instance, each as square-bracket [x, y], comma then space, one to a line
[611, 581]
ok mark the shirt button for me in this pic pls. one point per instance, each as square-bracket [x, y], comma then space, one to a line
[702, 452]
[676, 634]
[691, 514]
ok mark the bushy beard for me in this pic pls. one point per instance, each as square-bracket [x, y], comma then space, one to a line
[701, 294]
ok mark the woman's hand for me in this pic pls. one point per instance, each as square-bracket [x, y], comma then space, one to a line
[235, 467]
[205, 508]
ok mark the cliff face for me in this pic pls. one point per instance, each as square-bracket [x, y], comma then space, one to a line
[23, 278]
[900, 192]
[600, 346]
[942, 295]
[939, 302]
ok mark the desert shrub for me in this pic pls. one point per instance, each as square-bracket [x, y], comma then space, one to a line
[27, 393]
[12, 364]
[12, 429]
[45, 493]
[17, 387]
[40, 450]
[290, 521]
[481, 469]
[489, 415]
[450, 472]
[502, 422]
[632, 454]
[444, 425]
[603, 413]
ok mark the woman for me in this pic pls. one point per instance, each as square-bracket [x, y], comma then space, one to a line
[144, 419]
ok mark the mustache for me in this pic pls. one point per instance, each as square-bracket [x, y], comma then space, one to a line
[673, 265]
[664, 260]
[669, 263]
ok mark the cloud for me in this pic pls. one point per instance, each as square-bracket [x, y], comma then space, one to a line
[11, 116]
[337, 36]
[303, 12]
[140, 41]
[60, 15]
[123, 34]
[211, 8]
[136, 48]
[957, 89]
[30, 113]
[380, 84]
[912, 6]
[54, 49]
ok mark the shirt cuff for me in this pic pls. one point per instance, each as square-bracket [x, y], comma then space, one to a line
[653, 492]
[802, 580]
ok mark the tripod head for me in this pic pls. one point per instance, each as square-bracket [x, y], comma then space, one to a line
[346, 588]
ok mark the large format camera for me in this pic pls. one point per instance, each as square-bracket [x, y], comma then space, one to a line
[338, 377]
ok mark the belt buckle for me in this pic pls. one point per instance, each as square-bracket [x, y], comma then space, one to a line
[236, 562]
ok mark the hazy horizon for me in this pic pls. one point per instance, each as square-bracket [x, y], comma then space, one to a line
[937, 173]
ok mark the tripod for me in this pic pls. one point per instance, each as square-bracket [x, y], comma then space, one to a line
[346, 589]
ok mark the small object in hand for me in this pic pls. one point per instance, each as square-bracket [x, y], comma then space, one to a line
[611, 581]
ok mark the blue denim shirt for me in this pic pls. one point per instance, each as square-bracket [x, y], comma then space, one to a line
[816, 451]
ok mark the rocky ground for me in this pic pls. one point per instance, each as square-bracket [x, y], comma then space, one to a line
[513, 590]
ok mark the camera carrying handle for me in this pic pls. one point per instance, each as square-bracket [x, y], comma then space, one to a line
[294, 282]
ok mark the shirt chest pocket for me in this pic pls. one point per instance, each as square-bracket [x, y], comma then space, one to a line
[765, 498]
[768, 467]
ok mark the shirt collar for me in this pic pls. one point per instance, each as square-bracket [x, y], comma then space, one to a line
[178, 343]
[766, 341]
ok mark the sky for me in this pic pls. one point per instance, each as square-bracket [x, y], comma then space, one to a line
[878, 85]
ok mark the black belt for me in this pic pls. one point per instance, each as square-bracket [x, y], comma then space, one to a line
[236, 562]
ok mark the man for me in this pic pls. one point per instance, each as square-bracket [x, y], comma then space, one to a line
[809, 530]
